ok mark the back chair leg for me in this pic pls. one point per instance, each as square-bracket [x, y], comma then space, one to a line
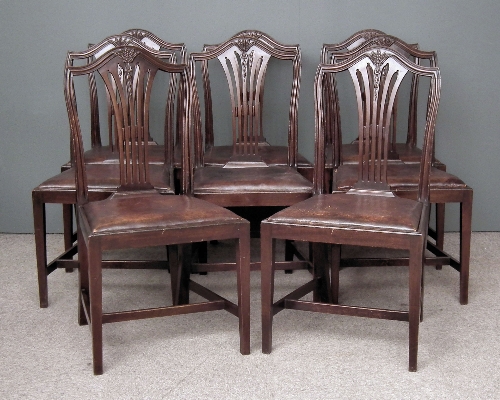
[465, 238]
[335, 272]
[83, 280]
[440, 210]
[68, 228]
[41, 250]
[322, 292]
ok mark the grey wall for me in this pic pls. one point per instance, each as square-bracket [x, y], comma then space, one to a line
[37, 34]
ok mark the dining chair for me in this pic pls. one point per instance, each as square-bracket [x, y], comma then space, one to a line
[404, 177]
[137, 215]
[246, 176]
[102, 174]
[369, 214]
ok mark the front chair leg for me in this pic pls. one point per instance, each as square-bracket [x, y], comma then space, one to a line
[415, 286]
[267, 248]
[95, 280]
[243, 285]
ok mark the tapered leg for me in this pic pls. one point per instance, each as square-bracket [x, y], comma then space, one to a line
[41, 249]
[465, 238]
[321, 292]
[415, 284]
[95, 280]
[185, 261]
[243, 284]
[289, 250]
[68, 228]
[267, 248]
[335, 272]
[83, 277]
[440, 209]
[173, 262]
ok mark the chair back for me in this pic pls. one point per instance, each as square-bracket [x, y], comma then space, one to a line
[166, 51]
[244, 59]
[333, 53]
[376, 73]
[128, 71]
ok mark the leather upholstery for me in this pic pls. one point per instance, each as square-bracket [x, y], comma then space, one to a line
[272, 185]
[103, 178]
[343, 210]
[399, 176]
[135, 212]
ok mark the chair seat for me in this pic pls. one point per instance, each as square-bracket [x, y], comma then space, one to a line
[150, 211]
[103, 178]
[104, 155]
[254, 186]
[406, 153]
[400, 177]
[353, 211]
[271, 155]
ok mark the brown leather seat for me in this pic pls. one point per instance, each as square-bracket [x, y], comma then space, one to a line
[400, 176]
[348, 211]
[260, 186]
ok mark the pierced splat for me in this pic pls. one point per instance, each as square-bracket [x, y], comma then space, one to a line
[376, 79]
[129, 82]
[245, 73]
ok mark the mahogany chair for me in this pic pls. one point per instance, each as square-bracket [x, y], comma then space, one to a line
[403, 177]
[369, 214]
[246, 176]
[103, 172]
[139, 216]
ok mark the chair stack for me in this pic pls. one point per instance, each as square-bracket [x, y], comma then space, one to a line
[231, 175]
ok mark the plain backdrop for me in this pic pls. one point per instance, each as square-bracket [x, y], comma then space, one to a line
[35, 36]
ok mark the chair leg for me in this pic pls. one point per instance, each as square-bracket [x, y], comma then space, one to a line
[415, 285]
[289, 250]
[322, 292]
[440, 209]
[68, 228]
[202, 248]
[243, 284]
[465, 239]
[41, 249]
[335, 272]
[173, 262]
[267, 248]
[185, 259]
[83, 278]
[95, 280]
